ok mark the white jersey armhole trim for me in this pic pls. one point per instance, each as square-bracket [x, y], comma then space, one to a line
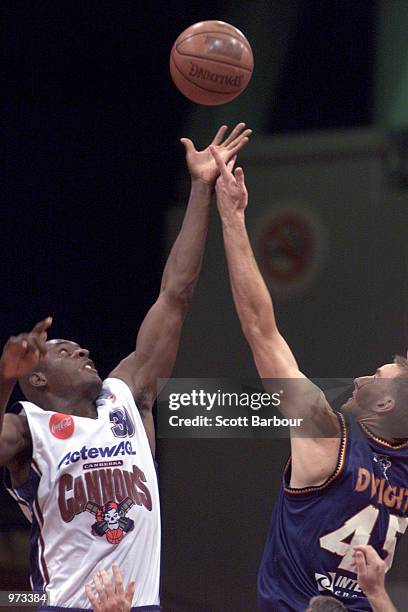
[27, 413]
[125, 389]
[129, 398]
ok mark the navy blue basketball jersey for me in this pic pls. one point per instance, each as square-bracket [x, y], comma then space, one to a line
[313, 530]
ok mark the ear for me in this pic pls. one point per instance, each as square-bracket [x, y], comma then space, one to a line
[38, 380]
[385, 404]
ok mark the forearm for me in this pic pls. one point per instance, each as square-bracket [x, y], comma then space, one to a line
[251, 296]
[184, 262]
[381, 602]
[272, 355]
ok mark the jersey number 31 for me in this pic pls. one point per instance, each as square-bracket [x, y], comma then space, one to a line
[122, 424]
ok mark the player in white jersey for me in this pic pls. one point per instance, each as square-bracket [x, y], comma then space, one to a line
[79, 451]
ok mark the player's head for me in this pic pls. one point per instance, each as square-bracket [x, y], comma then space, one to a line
[382, 398]
[66, 372]
[325, 604]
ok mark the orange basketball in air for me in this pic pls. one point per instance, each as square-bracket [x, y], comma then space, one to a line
[211, 62]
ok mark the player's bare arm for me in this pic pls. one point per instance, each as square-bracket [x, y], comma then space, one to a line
[272, 355]
[20, 355]
[159, 335]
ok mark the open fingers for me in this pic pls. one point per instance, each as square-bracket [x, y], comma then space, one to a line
[233, 150]
[234, 134]
[92, 598]
[219, 135]
[118, 579]
[106, 583]
[220, 162]
[99, 589]
[130, 591]
[245, 134]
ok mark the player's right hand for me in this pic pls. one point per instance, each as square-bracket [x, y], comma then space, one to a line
[201, 164]
[22, 353]
[232, 194]
[370, 569]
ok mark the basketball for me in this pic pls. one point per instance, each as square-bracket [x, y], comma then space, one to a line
[114, 536]
[211, 62]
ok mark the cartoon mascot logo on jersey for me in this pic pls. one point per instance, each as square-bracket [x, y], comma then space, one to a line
[384, 463]
[111, 520]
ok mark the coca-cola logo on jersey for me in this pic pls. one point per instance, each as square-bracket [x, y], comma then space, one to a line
[62, 426]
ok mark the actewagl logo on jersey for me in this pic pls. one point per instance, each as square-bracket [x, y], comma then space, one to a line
[95, 452]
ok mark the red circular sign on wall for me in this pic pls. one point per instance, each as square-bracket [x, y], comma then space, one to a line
[287, 247]
[290, 247]
[62, 426]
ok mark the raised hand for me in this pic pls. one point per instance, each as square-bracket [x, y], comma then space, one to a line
[370, 569]
[111, 598]
[201, 164]
[22, 353]
[232, 195]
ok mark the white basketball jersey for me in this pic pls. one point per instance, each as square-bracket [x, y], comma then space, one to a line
[93, 499]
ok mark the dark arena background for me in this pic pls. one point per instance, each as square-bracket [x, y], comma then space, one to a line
[93, 181]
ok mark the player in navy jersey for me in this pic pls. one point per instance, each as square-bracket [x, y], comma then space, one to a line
[345, 486]
[79, 451]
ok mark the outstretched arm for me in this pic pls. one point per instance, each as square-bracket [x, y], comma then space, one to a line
[272, 355]
[158, 338]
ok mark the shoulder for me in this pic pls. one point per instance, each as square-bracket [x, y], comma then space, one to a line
[17, 442]
[17, 422]
[16, 418]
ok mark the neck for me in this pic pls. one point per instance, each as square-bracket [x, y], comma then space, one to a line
[75, 405]
[382, 430]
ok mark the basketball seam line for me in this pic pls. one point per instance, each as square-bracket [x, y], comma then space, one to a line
[208, 59]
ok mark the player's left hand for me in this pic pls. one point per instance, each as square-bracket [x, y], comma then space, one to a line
[370, 570]
[202, 165]
[111, 598]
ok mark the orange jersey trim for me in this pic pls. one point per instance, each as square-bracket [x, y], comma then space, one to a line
[381, 440]
[337, 471]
